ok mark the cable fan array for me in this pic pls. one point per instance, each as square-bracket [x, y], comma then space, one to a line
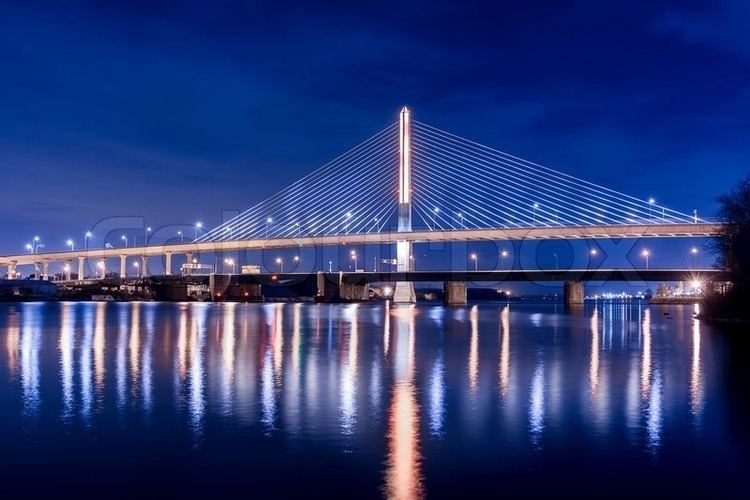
[456, 184]
[354, 193]
[459, 184]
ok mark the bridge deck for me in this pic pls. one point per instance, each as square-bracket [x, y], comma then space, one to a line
[503, 234]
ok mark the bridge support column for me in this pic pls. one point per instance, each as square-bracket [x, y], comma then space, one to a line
[102, 266]
[37, 271]
[353, 292]
[189, 257]
[144, 266]
[68, 269]
[123, 267]
[168, 263]
[45, 272]
[454, 293]
[404, 291]
[81, 267]
[12, 270]
[573, 293]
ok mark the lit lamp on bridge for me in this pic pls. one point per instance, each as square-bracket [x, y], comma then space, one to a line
[476, 261]
[645, 254]
[280, 262]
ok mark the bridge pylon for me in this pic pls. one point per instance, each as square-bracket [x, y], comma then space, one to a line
[404, 291]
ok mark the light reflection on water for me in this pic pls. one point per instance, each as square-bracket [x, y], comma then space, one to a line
[383, 384]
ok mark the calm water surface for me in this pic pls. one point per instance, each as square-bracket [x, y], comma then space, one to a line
[276, 400]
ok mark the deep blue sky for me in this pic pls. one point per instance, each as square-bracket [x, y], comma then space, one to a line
[176, 110]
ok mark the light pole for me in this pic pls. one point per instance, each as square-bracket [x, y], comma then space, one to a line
[100, 266]
[198, 225]
[461, 219]
[30, 247]
[280, 262]
[125, 239]
[503, 255]
[645, 253]
[476, 261]
[269, 221]
[37, 243]
[229, 262]
[71, 244]
[435, 212]
[651, 202]
[557, 262]
[330, 266]
[354, 258]
[694, 254]
[145, 236]
[182, 238]
[137, 270]
[86, 240]
[534, 207]
[413, 265]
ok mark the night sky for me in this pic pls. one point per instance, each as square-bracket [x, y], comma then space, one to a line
[179, 111]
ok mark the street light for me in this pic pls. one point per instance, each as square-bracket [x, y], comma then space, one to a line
[37, 243]
[269, 221]
[461, 219]
[125, 239]
[645, 254]
[330, 266]
[71, 244]
[145, 236]
[534, 206]
[354, 258]
[230, 262]
[198, 225]
[476, 261]
[86, 240]
[435, 212]
[29, 247]
[100, 266]
[182, 238]
[651, 202]
[280, 262]
[557, 262]
[296, 260]
[693, 253]
[503, 255]
[137, 270]
[593, 252]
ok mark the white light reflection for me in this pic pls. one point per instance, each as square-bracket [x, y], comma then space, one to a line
[227, 355]
[696, 386]
[121, 361]
[87, 389]
[473, 363]
[98, 347]
[504, 350]
[197, 375]
[654, 420]
[292, 389]
[348, 380]
[67, 337]
[146, 365]
[646, 356]
[536, 405]
[30, 345]
[437, 396]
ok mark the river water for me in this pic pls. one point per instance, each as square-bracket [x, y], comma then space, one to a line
[279, 400]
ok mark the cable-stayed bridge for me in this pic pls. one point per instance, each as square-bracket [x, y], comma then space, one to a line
[412, 182]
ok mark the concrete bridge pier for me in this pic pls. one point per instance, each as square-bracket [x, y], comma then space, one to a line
[454, 293]
[37, 270]
[81, 267]
[331, 288]
[144, 266]
[68, 269]
[573, 293]
[12, 270]
[102, 266]
[45, 270]
[168, 263]
[123, 266]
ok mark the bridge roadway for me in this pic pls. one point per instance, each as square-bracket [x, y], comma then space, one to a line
[542, 232]
[516, 275]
